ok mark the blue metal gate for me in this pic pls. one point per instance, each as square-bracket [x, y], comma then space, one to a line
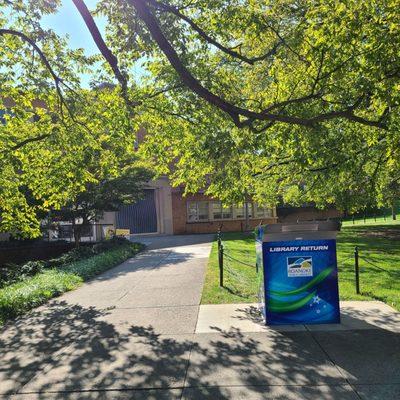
[140, 217]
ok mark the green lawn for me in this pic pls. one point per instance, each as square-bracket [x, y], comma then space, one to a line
[379, 244]
[19, 297]
[372, 221]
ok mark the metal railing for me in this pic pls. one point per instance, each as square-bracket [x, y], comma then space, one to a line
[228, 264]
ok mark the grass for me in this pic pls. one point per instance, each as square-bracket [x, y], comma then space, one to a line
[18, 298]
[372, 221]
[379, 244]
[241, 288]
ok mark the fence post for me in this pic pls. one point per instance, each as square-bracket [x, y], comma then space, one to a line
[221, 268]
[220, 258]
[357, 270]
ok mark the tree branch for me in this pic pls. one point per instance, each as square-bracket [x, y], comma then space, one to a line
[189, 80]
[27, 39]
[104, 49]
[311, 96]
[45, 61]
[161, 91]
[209, 39]
[29, 140]
[56, 78]
[285, 43]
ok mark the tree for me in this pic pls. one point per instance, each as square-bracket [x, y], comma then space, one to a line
[279, 98]
[107, 194]
[291, 98]
[95, 148]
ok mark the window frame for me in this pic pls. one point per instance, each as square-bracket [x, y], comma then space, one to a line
[254, 210]
[267, 212]
[189, 204]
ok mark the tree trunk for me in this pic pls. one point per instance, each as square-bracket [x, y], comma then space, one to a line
[394, 216]
[77, 233]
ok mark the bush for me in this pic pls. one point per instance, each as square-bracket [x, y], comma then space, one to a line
[76, 254]
[22, 296]
[12, 273]
[110, 244]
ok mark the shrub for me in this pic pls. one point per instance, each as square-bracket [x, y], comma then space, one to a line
[110, 244]
[75, 254]
[22, 296]
[12, 273]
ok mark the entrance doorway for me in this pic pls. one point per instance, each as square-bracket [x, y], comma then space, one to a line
[140, 217]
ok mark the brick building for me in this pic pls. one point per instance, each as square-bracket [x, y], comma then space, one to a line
[164, 210]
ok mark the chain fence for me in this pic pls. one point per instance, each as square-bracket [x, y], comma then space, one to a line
[235, 273]
[232, 277]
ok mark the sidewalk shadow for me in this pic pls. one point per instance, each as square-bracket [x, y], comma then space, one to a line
[352, 318]
[65, 348]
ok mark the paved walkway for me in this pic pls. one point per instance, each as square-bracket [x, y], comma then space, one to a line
[134, 333]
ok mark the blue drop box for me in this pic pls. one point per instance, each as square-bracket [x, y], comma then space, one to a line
[298, 275]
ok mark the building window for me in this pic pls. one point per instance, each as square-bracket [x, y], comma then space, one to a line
[197, 211]
[226, 212]
[249, 210]
[192, 211]
[216, 210]
[221, 212]
[263, 212]
[238, 211]
[202, 209]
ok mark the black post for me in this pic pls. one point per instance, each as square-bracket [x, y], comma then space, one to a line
[221, 265]
[357, 270]
[353, 219]
[220, 258]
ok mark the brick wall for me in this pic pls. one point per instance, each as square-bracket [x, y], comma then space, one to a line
[181, 226]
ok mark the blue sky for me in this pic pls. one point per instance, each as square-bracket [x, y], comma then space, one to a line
[68, 21]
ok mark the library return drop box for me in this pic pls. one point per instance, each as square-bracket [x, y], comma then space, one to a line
[298, 273]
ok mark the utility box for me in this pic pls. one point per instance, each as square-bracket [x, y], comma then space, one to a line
[298, 273]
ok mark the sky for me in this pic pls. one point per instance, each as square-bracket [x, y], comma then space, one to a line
[68, 21]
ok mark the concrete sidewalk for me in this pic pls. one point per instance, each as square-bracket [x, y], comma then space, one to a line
[134, 333]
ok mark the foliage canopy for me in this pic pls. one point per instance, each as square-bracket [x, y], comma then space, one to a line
[275, 98]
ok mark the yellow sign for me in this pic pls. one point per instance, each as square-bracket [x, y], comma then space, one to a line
[122, 232]
[108, 232]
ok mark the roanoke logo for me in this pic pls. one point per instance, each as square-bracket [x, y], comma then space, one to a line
[299, 266]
